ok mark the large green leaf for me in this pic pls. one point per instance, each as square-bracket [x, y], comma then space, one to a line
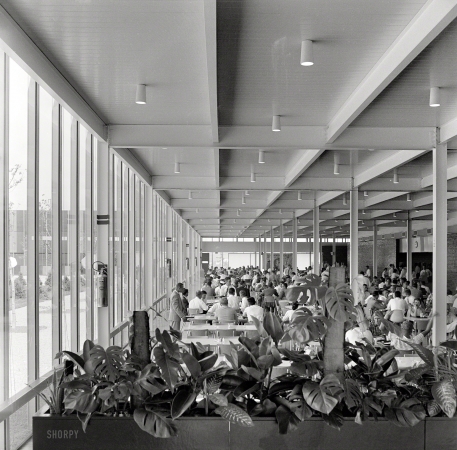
[425, 354]
[218, 399]
[165, 339]
[305, 327]
[318, 398]
[334, 419]
[433, 408]
[406, 414]
[148, 380]
[306, 368]
[81, 400]
[234, 414]
[266, 408]
[73, 357]
[208, 362]
[339, 303]
[87, 347]
[353, 395]
[192, 364]
[105, 363]
[213, 383]
[170, 368]
[154, 423]
[287, 420]
[273, 326]
[182, 401]
[444, 394]
[246, 388]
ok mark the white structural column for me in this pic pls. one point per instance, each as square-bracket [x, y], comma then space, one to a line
[272, 249]
[354, 234]
[374, 271]
[409, 246]
[294, 242]
[281, 247]
[103, 219]
[316, 245]
[439, 287]
[255, 252]
[264, 251]
[333, 249]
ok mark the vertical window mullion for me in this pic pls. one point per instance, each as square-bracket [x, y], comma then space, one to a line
[56, 229]
[89, 240]
[131, 247]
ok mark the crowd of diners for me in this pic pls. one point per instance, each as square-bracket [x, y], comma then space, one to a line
[246, 292]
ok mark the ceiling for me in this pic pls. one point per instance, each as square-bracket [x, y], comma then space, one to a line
[217, 72]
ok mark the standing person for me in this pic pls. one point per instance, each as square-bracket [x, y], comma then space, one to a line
[177, 310]
[368, 273]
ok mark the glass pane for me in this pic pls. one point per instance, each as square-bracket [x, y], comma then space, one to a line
[117, 241]
[125, 240]
[20, 425]
[94, 225]
[142, 247]
[84, 235]
[17, 226]
[137, 243]
[45, 230]
[69, 259]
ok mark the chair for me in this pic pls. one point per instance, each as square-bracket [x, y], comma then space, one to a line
[193, 311]
[199, 321]
[195, 333]
[224, 333]
[420, 325]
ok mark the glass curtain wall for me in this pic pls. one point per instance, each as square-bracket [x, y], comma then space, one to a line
[48, 241]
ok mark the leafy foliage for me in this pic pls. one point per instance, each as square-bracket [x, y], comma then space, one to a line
[235, 414]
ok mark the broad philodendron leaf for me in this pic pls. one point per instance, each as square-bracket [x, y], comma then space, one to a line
[148, 381]
[73, 357]
[306, 368]
[154, 423]
[213, 383]
[192, 364]
[218, 399]
[208, 362]
[425, 354]
[433, 408]
[182, 401]
[265, 362]
[105, 363]
[165, 339]
[246, 388]
[444, 394]
[81, 400]
[287, 420]
[259, 327]
[334, 419]
[449, 344]
[169, 368]
[266, 408]
[406, 414]
[87, 347]
[305, 327]
[317, 398]
[339, 303]
[416, 373]
[273, 326]
[234, 414]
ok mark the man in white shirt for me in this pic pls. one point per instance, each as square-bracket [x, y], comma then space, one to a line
[198, 303]
[397, 303]
[253, 310]
[233, 300]
[408, 297]
[244, 300]
[224, 287]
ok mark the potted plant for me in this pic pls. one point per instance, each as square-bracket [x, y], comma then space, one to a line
[164, 389]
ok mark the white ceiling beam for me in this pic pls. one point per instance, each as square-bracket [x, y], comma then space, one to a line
[375, 199]
[322, 183]
[448, 130]
[126, 155]
[255, 137]
[384, 163]
[384, 184]
[161, 182]
[209, 8]
[180, 203]
[216, 174]
[451, 171]
[430, 21]
[300, 164]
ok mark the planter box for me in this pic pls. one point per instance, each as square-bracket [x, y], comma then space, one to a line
[111, 433]
[315, 434]
[212, 433]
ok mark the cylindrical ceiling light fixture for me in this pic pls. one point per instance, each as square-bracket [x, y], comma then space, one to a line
[365, 193]
[261, 157]
[252, 174]
[395, 180]
[177, 167]
[306, 55]
[276, 124]
[280, 211]
[243, 200]
[363, 211]
[140, 98]
[394, 214]
[336, 163]
[246, 193]
[434, 97]
[190, 195]
[408, 197]
[197, 210]
[345, 200]
[300, 196]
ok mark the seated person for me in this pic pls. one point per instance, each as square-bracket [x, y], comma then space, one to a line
[416, 309]
[451, 321]
[406, 335]
[373, 302]
[244, 300]
[269, 295]
[359, 332]
[289, 314]
[233, 299]
[224, 312]
[396, 308]
[253, 310]
[198, 303]
[408, 297]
